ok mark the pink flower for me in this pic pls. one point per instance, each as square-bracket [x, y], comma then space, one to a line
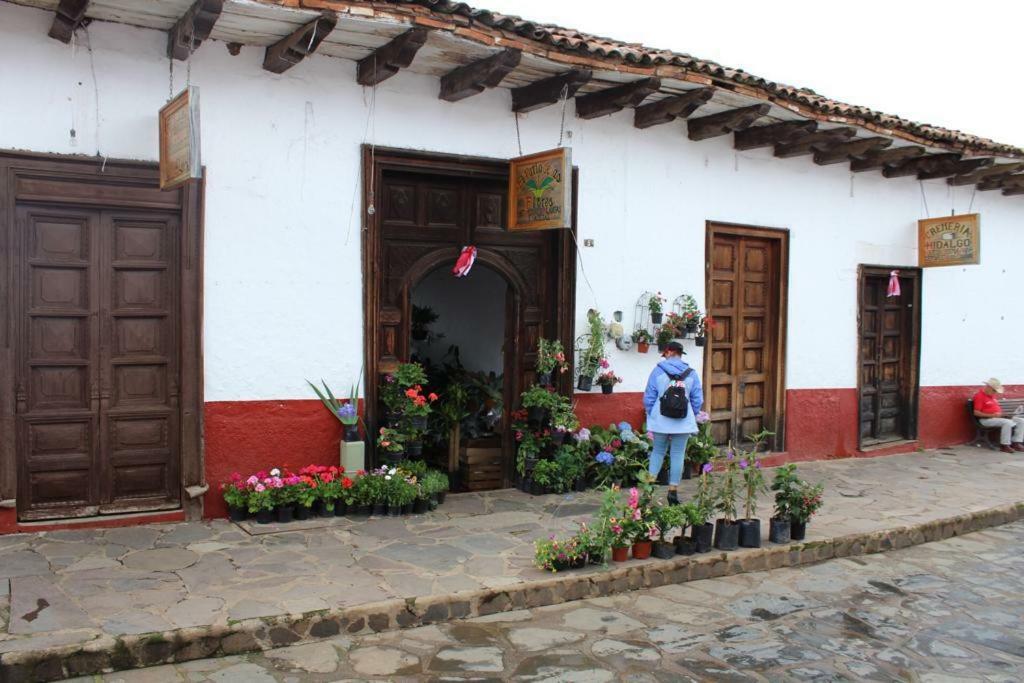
[260, 488]
[252, 481]
[634, 497]
[652, 533]
[604, 363]
[636, 515]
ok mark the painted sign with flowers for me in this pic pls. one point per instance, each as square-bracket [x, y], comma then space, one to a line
[540, 191]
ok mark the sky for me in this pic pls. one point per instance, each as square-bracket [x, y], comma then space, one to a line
[950, 64]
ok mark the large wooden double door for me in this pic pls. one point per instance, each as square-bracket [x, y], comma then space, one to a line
[745, 349]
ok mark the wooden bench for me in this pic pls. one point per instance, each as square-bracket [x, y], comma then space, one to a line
[983, 434]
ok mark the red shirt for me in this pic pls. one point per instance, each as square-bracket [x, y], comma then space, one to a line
[984, 403]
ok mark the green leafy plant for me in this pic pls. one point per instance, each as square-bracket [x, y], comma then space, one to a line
[421, 319]
[344, 411]
[727, 489]
[642, 336]
[391, 440]
[546, 473]
[668, 517]
[786, 485]
[550, 356]
[806, 502]
[665, 334]
[571, 466]
[552, 554]
[591, 358]
[394, 386]
[434, 482]
[705, 501]
[753, 478]
[656, 303]
[608, 379]
[235, 493]
[260, 498]
[563, 417]
[701, 446]
[540, 397]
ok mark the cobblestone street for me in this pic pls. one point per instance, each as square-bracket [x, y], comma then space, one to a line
[949, 610]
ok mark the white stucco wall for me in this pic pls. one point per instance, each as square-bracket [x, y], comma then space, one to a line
[283, 283]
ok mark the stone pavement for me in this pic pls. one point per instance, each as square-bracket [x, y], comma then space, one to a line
[943, 611]
[85, 601]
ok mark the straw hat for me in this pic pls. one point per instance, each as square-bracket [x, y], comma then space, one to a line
[996, 385]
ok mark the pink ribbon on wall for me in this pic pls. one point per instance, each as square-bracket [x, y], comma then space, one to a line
[894, 284]
[465, 262]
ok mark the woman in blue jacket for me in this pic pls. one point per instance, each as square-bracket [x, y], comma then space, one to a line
[671, 434]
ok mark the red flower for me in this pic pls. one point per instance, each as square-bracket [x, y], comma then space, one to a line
[346, 483]
[411, 393]
[616, 443]
[432, 397]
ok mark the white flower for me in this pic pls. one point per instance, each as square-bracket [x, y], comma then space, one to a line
[387, 477]
[275, 472]
[392, 470]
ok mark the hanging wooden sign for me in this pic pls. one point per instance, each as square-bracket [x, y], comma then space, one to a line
[540, 191]
[949, 241]
[179, 139]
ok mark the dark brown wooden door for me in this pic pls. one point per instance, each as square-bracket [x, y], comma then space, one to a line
[887, 358]
[97, 361]
[744, 294]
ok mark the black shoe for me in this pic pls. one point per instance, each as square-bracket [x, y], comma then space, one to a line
[673, 498]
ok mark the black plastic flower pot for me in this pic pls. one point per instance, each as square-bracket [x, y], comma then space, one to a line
[664, 550]
[537, 417]
[557, 438]
[797, 530]
[264, 516]
[585, 383]
[687, 469]
[536, 489]
[691, 327]
[727, 535]
[700, 340]
[340, 508]
[607, 388]
[302, 512]
[441, 495]
[702, 536]
[394, 458]
[418, 422]
[239, 514]
[656, 317]
[329, 510]
[432, 501]
[351, 433]
[580, 485]
[421, 506]
[379, 509]
[394, 510]
[544, 379]
[364, 510]
[686, 546]
[392, 419]
[750, 533]
[414, 449]
[285, 513]
[407, 508]
[778, 530]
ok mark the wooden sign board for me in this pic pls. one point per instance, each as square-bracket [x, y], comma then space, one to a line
[949, 241]
[540, 191]
[179, 140]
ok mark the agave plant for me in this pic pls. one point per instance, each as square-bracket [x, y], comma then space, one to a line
[344, 410]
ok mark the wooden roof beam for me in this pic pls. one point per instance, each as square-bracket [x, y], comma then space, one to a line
[1002, 182]
[844, 151]
[549, 90]
[611, 100]
[69, 15]
[725, 122]
[299, 44]
[918, 164]
[671, 108]
[473, 79]
[954, 168]
[390, 58]
[1011, 191]
[193, 28]
[772, 134]
[812, 142]
[987, 172]
[887, 157]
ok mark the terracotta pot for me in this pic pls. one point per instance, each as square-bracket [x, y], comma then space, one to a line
[641, 550]
[620, 554]
[750, 533]
[778, 530]
[643, 347]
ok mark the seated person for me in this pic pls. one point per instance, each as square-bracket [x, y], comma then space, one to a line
[989, 414]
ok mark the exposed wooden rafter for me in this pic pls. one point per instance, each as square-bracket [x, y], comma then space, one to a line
[915, 166]
[812, 142]
[772, 134]
[844, 151]
[954, 168]
[1011, 191]
[474, 78]
[69, 15]
[611, 100]
[549, 91]
[984, 173]
[390, 58]
[1002, 182]
[725, 122]
[193, 28]
[887, 157]
[299, 44]
[671, 108]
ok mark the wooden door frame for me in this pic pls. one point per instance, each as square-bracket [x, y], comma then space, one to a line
[88, 182]
[913, 388]
[377, 160]
[781, 236]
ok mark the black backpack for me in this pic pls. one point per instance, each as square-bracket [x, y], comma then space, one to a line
[674, 402]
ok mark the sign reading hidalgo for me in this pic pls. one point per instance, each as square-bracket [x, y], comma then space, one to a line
[949, 241]
[540, 191]
[179, 139]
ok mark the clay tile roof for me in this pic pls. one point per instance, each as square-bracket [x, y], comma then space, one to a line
[570, 40]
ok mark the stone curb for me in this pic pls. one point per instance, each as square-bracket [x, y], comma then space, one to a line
[108, 653]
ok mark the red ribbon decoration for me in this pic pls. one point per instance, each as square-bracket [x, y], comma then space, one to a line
[465, 262]
[894, 284]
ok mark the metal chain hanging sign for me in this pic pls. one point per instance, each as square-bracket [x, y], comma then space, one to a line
[179, 139]
[540, 191]
[949, 241]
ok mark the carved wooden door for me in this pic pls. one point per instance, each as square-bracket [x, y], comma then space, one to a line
[744, 303]
[97, 360]
[887, 358]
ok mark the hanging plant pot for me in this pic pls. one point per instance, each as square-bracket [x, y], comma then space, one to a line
[778, 530]
[302, 512]
[685, 546]
[585, 383]
[418, 422]
[379, 509]
[702, 536]
[394, 458]
[664, 550]
[700, 341]
[727, 535]
[643, 347]
[414, 449]
[285, 513]
[537, 417]
[351, 433]
[340, 508]
[607, 388]
[620, 554]
[797, 530]
[750, 533]
[392, 419]
[641, 550]
[691, 327]
[656, 317]
[237, 514]
[264, 516]
[544, 379]
[421, 506]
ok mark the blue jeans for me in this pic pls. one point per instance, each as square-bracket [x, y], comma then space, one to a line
[675, 445]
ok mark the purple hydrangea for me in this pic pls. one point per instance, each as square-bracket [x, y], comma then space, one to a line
[605, 458]
[625, 427]
[347, 411]
[703, 417]
[583, 434]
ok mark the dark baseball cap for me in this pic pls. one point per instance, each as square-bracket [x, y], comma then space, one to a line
[675, 346]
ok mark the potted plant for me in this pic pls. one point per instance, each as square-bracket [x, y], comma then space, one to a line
[666, 333]
[422, 318]
[703, 530]
[539, 403]
[375, 491]
[556, 555]
[785, 485]
[394, 388]
[563, 420]
[444, 486]
[571, 468]
[689, 313]
[593, 541]
[592, 358]
[285, 498]
[655, 304]
[642, 338]
[700, 448]
[706, 324]
[260, 501]
[692, 517]
[391, 442]
[550, 356]
[807, 501]
[608, 379]
[727, 530]
[546, 475]
[668, 517]
[344, 502]
[236, 495]
[640, 516]
[753, 486]
[344, 411]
